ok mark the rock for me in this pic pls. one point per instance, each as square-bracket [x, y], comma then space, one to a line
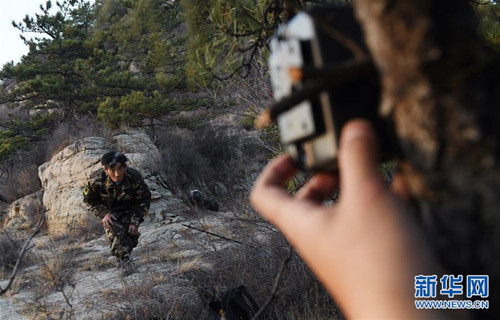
[141, 152]
[8, 85]
[10, 309]
[163, 207]
[220, 189]
[177, 236]
[63, 177]
[99, 290]
[157, 185]
[25, 212]
[178, 219]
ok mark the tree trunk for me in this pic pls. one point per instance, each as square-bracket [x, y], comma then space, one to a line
[441, 88]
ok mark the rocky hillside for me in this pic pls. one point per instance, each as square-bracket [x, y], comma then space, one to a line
[187, 256]
[84, 275]
[76, 278]
[65, 174]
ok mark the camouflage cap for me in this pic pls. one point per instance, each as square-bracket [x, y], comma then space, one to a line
[113, 157]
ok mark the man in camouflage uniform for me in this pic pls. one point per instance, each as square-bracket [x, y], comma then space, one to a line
[118, 196]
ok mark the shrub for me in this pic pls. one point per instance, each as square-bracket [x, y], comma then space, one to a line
[10, 248]
[256, 265]
[22, 181]
[254, 260]
[78, 128]
[57, 268]
[205, 158]
[153, 297]
[182, 163]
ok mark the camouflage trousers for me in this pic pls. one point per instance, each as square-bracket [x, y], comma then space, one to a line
[120, 241]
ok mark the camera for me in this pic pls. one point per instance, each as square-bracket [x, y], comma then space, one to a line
[321, 77]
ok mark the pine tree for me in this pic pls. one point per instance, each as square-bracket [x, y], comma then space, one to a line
[48, 87]
[144, 60]
[227, 36]
[46, 76]
[119, 60]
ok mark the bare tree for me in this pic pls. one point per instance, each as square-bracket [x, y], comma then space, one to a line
[440, 86]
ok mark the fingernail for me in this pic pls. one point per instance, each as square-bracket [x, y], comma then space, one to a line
[357, 129]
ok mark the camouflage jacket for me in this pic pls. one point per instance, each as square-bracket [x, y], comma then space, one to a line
[128, 201]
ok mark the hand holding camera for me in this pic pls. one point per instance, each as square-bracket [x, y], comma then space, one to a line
[322, 77]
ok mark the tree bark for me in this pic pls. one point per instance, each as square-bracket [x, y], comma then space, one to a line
[441, 88]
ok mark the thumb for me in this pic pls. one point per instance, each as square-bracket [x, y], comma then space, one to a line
[358, 156]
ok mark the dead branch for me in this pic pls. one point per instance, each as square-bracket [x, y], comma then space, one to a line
[21, 255]
[277, 280]
[213, 234]
[68, 297]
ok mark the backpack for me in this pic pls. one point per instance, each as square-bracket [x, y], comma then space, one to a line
[235, 304]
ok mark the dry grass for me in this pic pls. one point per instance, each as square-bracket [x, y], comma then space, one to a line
[166, 254]
[152, 297]
[21, 282]
[23, 182]
[255, 264]
[76, 129]
[182, 255]
[57, 269]
[97, 263]
[194, 264]
[42, 310]
[55, 275]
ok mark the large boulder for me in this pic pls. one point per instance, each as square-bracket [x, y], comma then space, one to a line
[65, 174]
[141, 152]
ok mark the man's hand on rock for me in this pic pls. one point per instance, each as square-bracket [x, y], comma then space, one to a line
[133, 229]
[107, 221]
